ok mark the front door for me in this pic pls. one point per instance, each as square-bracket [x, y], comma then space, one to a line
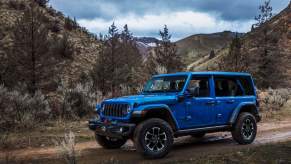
[199, 108]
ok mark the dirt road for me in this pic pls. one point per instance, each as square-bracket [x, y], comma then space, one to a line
[184, 147]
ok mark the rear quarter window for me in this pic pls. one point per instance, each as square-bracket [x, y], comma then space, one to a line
[247, 85]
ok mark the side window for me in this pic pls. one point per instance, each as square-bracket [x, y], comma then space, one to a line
[227, 87]
[247, 85]
[200, 85]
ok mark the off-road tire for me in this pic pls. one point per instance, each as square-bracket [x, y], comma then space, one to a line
[198, 135]
[109, 143]
[143, 139]
[245, 136]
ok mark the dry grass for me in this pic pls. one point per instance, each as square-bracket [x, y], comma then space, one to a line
[66, 147]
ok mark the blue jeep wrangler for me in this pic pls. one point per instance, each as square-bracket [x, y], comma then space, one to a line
[173, 105]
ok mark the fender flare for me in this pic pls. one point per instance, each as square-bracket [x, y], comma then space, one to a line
[238, 109]
[143, 109]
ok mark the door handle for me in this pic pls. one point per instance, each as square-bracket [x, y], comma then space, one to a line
[230, 101]
[211, 103]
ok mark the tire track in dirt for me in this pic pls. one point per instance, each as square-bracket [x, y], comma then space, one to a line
[183, 147]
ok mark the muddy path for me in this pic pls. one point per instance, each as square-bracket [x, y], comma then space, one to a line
[184, 147]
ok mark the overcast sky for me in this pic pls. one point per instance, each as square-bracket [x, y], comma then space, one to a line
[183, 17]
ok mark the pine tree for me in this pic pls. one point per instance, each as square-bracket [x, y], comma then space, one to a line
[29, 58]
[118, 63]
[238, 62]
[113, 45]
[75, 23]
[266, 75]
[166, 53]
[265, 13]
[101, 73]
[131, 59]
[126, 35]
[69, 25]
[212, 54]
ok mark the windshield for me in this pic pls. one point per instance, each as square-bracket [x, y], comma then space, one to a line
[165, 84]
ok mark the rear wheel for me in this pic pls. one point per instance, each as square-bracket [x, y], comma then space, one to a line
[245, 129]
[153, 138]
[109, 143]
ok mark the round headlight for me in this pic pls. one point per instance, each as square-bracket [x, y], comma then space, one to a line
[128, 109]
[102, 108]
[97, 117]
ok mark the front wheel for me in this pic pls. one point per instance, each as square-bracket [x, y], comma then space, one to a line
[153, 138]
[109, 143]
[245, 129]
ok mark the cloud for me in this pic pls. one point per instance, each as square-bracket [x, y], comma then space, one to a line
[108, 9]
[180, 24]
[183, 17]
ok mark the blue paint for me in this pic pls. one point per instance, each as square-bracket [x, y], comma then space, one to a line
[191, 112]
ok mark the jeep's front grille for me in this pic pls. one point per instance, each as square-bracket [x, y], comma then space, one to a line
[115, 110]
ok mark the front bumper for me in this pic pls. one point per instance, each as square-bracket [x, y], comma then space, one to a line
[115, 130]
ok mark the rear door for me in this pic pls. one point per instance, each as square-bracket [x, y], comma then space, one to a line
[229, 94]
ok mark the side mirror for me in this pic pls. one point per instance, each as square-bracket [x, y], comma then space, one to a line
[181, 98]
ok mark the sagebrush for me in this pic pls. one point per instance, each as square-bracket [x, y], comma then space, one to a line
[274, 99]
[78, 101]
[22, 111]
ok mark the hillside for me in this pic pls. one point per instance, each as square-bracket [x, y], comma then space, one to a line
[84, 44]
[199, 46]
[280, 30]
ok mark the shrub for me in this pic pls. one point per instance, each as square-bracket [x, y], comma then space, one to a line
[17, 5]
[52, 11]
[79, 101]
[55, 26]
[63, 47]
[274, 99]
[67, 149]
[5, 141]
[21, 111]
